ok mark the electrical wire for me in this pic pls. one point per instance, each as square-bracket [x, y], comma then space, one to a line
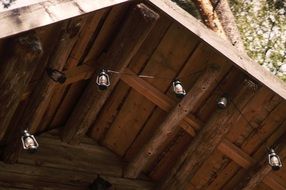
[155, 76]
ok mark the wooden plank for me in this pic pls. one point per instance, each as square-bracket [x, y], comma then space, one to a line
[157, 97]
[16, 71]
[274, 181]
[233, 170]
[260, 175]
[27, 18]
[224, 47]
[235, 153]
[199, 150]
[168, 161]
[76, 55]
[253, 141]
[188, 75]
[164, 62]
[197, 95]
[105, 34]
[92, 101]
[112, 107]
[40, 98]
[58, 165]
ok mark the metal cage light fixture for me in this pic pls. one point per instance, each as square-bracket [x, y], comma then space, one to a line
[102, 80]
[274, 160]
[56, 75]
[29, 142]
[222, 101]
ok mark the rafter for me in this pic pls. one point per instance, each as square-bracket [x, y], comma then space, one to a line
[214, 130]
[48, 12]
[118, 56]
[190, 123]
[38, 102]
[16, 72]
[262, 173]
[199, 92]
[70, 167]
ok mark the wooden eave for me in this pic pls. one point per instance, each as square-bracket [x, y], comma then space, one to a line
[153, 137]
[49, 12]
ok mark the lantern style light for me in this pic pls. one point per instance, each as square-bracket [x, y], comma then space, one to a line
[178, 89]
[274, 160]
[222, 102]
[103, 80]
[56, 75]
[29, 142]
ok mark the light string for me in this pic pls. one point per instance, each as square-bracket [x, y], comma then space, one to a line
[155, 76]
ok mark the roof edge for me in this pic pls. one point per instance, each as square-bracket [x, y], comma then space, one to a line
[44, 13]
[224, 47]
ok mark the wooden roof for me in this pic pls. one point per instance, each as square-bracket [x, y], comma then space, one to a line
[154, 138]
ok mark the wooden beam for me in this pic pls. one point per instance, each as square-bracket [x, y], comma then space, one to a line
[189, 123]
[47, 12]
[75, 74]
[235, 153]
[257, 155]
[58, 165]
[258, 177]
[222, 46]
[38, 102]
[206, 141]
[197, 95]
[260, 173]
[16, 70]
[274, 181]
[132, 34]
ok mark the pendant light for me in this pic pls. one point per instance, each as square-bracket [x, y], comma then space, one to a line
[29, 142]
[222, 102]
[56, 75]
[274, 160]
[178, 89]
[102, 80]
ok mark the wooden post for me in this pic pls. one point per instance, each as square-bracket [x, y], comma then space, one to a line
[38, 102]
[16, 70]
[205, 142]
[197, 95]
[132, 34]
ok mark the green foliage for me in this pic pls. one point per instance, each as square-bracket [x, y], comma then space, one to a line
[262, 24]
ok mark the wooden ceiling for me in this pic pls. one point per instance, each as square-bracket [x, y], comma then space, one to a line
[155, 138]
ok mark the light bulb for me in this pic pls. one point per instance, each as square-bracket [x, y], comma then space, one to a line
[178, 89]
[103, 80]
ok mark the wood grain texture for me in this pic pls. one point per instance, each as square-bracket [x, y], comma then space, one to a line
[199, 150]
[195, 97]
[225, 48]
[58, 165]
[258, 176]
[16, 71]
[92, 100]
[40, 98]
[166, 62]
[47, 12]
[137, 63]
